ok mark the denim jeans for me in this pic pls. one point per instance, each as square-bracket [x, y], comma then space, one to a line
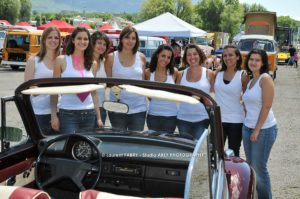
[44, 122]
[73, 120]
[193, 128]
[234, 133]
[123, 121]
[257, 155]
[161, 123]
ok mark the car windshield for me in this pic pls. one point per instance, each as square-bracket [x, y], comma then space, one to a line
[116, 100]
[18, 41]
[249, 44]
[284, 49]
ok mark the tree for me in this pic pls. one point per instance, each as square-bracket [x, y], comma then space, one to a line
[38, 20]
[286, 21]
[254, 8]
[184, 10]
[153, 8]
[10, 10]
[231, 18]
[58, 16]
[131, 17]
[25, 11]
[210, 13]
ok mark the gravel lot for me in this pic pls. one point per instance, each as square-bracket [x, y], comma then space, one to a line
[284, 162]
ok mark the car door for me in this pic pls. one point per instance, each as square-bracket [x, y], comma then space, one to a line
[17, 149]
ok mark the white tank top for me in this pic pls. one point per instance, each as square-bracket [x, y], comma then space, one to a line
[136, 103]
[80, 101]
[162, 107]
[253, 102]
[41, 103]
[194, 112]
[228, 97]
[101, 73]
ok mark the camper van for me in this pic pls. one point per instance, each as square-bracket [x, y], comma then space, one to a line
[19, 44]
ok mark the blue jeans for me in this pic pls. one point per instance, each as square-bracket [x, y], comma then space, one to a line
[161, 123]
[123, 121]
[193, 128]
[73, 120]
[257, 155]
[44, 122]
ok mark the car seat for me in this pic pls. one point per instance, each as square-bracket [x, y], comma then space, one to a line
[14, 192]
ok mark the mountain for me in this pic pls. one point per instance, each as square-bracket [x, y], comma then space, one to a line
[111, 6]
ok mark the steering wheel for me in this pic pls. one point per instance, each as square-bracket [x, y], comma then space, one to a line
[68, 168]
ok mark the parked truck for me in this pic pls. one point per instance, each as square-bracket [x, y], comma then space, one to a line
[260, 32]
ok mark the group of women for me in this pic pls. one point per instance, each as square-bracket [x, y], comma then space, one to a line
[245, 103]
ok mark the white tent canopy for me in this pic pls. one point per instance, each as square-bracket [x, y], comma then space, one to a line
[168, 25]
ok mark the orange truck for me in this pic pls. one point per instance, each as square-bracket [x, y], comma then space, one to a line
[260, 30]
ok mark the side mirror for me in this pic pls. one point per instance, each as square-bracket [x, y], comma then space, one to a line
[11, 134]
[116, 107]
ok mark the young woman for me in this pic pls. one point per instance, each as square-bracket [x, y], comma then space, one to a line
[100, 44]
[162, 114]
[76, 111]
[41, 66]
[193, 119]
[128, 63]
[260, 126]
[230, 82]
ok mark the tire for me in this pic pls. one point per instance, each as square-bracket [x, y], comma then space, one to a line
[14, 67]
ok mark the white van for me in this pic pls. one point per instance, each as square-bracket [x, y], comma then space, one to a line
[148, 45]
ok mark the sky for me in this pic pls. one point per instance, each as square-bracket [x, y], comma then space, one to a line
[281, 7]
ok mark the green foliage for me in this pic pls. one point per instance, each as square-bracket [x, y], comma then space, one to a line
[10, 10]
[210, 13]
[25, 11]
[197, 21]
[231, 18]
[134, 17]
[184, 10]
[255, 7]
[286, 21]
[232, 2]
[38, 20]
[153, 8]
[44, 20]
[93, 26]
[58, 16]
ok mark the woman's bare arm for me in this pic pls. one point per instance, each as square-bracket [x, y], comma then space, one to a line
[108, 64]
[57, 70]
[29, 69]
